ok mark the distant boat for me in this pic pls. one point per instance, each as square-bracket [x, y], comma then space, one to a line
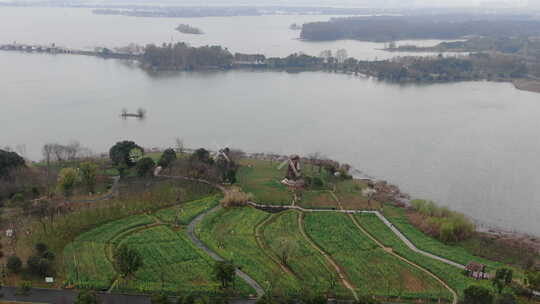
[140, 114]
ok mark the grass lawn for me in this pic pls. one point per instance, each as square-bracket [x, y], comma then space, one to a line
[231, 233]
[368, 267]
[283, 237]
[263, 180]
[350, 195]
[453, 276]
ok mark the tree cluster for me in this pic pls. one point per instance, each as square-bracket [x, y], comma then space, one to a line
[41, 262]
[125, 153]
[9, 161]
[393, 28]
[441, 223]
[180, 56]
[127, 260]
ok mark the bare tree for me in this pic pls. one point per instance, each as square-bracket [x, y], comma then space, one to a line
[179, 145]
[326, 54]
[286, 248]
[21, 149]
[341, 55]
[47, 151]
[315, 160]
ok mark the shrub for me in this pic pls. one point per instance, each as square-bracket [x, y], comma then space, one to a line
[89, 175]
[67, 179]
[86, 297]
[440, 222]
[145, 167]
[506, 298]
[167, 158]
[477, 295]
[41, 248]
[236, 198]
[318, 182]
[24, 288]
[160, 298]
[127, 260]
[39, 266]
[14, 264]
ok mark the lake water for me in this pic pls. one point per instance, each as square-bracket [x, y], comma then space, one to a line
[472, 146]
[269, 35]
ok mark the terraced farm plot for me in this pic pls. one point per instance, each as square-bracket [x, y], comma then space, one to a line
[453, 276]
[184, 267]
[426, 243]
[231, 233]
[283, 237]
[171, 263]
[368, 267]
[188, 211]
[87, 264]
[262, 179]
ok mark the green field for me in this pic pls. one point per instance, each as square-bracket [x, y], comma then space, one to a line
[231, 233]
[453, 276]
[86, 259]
[186, 212]
[171, 262]
[283, 237]
[367, 266]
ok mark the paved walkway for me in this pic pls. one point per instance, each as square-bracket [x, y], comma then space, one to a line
[379, 215]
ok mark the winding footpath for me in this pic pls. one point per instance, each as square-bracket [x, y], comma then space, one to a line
[398, 233]
[193, 237]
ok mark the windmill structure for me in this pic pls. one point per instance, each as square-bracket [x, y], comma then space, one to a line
[222, 154]
[226, 164]
[293, 179]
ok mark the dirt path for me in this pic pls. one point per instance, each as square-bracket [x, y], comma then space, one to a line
[259, 236]
[328, 258]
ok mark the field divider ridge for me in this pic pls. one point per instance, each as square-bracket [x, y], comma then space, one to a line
[330, 260]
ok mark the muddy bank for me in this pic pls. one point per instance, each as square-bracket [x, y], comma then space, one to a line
[530, 85]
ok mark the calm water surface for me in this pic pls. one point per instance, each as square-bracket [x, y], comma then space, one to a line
[269, 35]
[472, 146]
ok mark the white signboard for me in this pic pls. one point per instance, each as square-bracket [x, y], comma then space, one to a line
[49, 280]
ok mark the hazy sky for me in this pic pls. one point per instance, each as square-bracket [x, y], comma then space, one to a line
[379, 3]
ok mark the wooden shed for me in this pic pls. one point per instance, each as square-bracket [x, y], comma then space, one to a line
[477, 270]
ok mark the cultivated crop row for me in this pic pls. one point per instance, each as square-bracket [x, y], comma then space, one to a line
[370, 269]
[231, 233]
[452, 275]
